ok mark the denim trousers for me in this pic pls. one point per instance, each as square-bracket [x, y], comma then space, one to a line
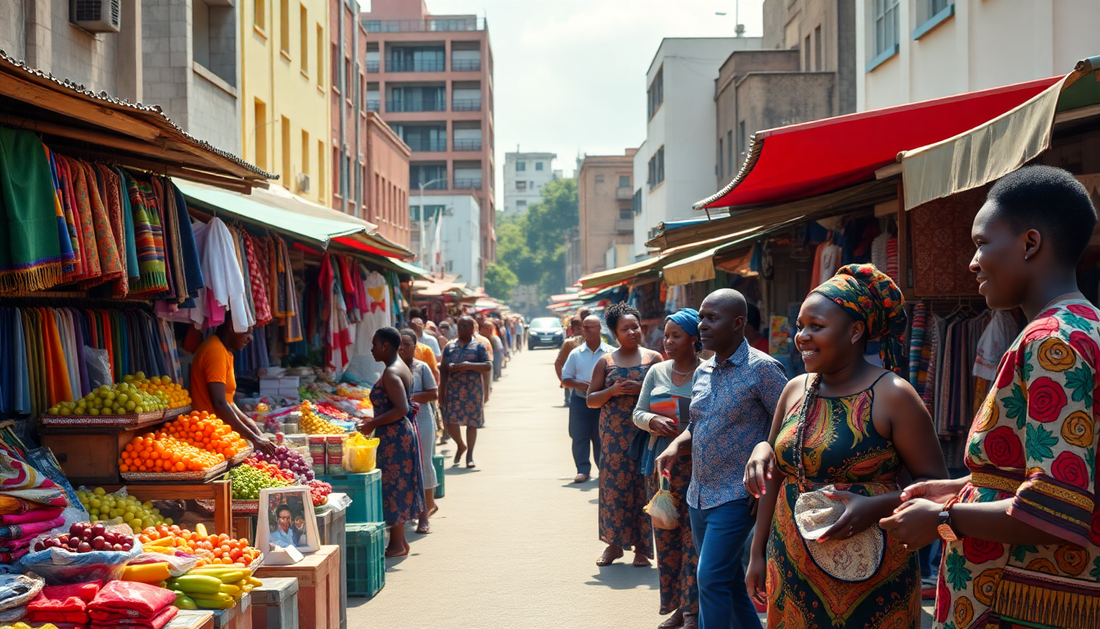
[584, 430]
[719, 535]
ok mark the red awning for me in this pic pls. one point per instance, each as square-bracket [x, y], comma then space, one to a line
[803, 160]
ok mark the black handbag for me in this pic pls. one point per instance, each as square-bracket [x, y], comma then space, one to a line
[638, 445]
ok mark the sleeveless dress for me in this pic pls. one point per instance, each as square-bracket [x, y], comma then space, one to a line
[399, 459]
[842, 447]
[622, 488]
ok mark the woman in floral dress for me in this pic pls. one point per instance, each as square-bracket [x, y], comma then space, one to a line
[398, 451]
[616, 383]
[461, 392]
[1022, 531]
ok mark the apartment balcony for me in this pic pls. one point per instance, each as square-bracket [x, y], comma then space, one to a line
[405, 65]
[437, 145]
[466, 65]
[624, 225]
[397, 106]
[372, 66]
[468, 184]
[467, 145]
[466, 104]
[624, 194]
[435, 185]
[437, 23]
[374, 105]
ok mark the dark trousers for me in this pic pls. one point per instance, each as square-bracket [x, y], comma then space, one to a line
[719, 534]
[584, 430]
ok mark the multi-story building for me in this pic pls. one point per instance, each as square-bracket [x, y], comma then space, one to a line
[605, 191]
[370, 174]
[430, 77]
[680, 145]
[805, 71]
[913, 50]
[524, 176]
[457, 220]
[285, 103]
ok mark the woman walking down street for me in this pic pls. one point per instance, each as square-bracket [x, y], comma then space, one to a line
[424, 392]
[489, 331]
[616, 383]
[665, 393]
[1022, 532]
[840, 436]
[461, 387]
[399, 454]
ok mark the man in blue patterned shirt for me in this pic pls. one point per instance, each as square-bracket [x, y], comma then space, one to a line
[733, 399]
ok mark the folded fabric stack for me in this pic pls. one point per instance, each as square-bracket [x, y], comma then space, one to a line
[16, 590]
[63, 605]
[132, 604]
[17, 530]
[30, 504]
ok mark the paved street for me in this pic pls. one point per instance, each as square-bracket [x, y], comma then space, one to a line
[514, 543]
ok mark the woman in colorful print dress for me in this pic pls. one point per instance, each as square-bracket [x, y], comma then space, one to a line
[665, 391]
[1022, 531]
[616, 383]
[398, 453]
[853, 425]
[461, 388]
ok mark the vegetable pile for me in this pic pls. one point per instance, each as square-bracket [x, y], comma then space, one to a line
[319, 490]
[247, 481]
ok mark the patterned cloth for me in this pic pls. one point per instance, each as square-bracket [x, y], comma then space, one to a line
[1034, 441]
[464, 403]
[732, 405]
[399, 459]
[622, 489]
[842, 447]
[869, 295]
[677, 559]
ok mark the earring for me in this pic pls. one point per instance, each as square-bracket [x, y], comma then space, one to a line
[1025, 256]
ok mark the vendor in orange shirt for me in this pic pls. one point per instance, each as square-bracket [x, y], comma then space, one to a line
[213, 383]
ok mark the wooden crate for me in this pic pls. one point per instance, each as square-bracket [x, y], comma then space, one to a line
[275, 604]
[237, 617]
[192, 619]
[318, 587]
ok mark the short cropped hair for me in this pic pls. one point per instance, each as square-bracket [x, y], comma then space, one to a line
[1049, 200]
[617, 311]
[390, 336]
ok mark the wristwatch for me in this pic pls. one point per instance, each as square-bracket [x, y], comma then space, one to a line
[947, 533]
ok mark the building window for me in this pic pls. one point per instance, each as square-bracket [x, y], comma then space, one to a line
[303, 45]
[521, 167]
[521, 204]
[320, 57]
[720, 168]
[521, 185]
[744, 139]
[259, 131]
[819, 64]
[284, 26]
[286, 152]
[538, 165]
[624, 181]
[656, 93]
[931, 13]
[336, 68]
[729, 153]
[636, 202]
[337, 189]
[321, 169]
[259, 17]
[626, 214]
[807, 62]
[599, 178]
[305, 152]
[657, 168]
[886, 26]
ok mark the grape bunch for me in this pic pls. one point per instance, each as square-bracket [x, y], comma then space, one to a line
[289, 460]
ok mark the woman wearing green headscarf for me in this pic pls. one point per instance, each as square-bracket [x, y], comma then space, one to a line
[829, 469]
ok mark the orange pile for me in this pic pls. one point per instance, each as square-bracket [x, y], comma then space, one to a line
[162, 453]
[210, 549]
[204, 430]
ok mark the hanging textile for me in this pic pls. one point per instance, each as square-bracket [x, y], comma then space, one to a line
[223, 278]
[149, 237]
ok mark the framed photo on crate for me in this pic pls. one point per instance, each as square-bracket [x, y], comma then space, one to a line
[286, 518]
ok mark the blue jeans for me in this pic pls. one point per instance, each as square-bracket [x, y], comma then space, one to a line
[719, 535]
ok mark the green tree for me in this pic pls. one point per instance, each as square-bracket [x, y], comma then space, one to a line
[499, 281]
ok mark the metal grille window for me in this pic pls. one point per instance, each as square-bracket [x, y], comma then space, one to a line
[657, 168]
[656, 93]
[886, 25]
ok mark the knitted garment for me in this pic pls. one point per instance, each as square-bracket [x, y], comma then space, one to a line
[150, 240]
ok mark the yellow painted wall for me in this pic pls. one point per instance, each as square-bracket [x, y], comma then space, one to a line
[273, 73]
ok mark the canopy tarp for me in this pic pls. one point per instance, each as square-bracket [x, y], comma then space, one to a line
[814, 158]
[700, 267]
[999, 146]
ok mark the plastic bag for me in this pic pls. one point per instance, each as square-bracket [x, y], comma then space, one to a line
[359, 454]
[178, 564]
[19, 589]
[61, 567]
[663, 507]
[98, 363]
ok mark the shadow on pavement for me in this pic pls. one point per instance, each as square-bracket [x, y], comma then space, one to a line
[623, 576]
[585, 487]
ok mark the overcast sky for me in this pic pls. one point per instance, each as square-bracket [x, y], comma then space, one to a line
[570, 74]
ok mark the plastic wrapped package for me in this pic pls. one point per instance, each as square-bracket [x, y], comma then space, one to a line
[59, 567]
[662, 508]
[360, 454]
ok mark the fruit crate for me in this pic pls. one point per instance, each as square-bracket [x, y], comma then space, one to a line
[365, 491]
[366, 546]
[441, 481]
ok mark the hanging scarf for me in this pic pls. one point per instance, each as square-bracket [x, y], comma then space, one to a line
[86, 225]
[32, 224]
[192, 269]
[293, 319]
[256, 280]
[109, 261]
[69, 244]
[72, 217]
[150, 241]
[112, 198]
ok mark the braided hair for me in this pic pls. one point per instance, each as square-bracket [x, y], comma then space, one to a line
[808, 402]
[617, 311]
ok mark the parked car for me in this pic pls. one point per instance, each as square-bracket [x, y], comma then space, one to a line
[545, 331]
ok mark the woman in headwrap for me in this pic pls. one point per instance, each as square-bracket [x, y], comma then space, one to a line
[851, 424]
[665, 391]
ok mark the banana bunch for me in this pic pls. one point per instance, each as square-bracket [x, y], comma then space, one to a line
[212, 587]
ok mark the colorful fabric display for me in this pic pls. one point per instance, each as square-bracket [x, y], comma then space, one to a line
[131, 600]
[63, 603]
[35, 515]
[159, 621]
[21, 484]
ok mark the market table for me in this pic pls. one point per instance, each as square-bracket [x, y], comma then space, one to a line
[218, 490]
[192, 619]
[318, 590]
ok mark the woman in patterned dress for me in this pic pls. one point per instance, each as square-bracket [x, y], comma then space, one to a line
[398, 453]
[853, 425]
[1022, 531]
[616, 383]
[461, 390]
[665, 390]
[423, 392]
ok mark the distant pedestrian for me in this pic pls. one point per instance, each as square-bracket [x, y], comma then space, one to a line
[461, 385]
[488, 330]
[571, 342]
[417, 325]
[733, 399]
[576, 376]
[616, 383]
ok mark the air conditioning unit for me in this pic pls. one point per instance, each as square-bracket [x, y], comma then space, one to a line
[303, 183]
[96, 16]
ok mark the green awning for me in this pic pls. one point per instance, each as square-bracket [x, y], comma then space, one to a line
[408, 267]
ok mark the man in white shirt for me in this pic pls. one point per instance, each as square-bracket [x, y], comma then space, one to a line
[417, 325]
[584, 422]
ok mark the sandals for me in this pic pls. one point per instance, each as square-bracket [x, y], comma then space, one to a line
[641, 561]
[424, 529]
[603, 561]
[458, 456]
[470, 464]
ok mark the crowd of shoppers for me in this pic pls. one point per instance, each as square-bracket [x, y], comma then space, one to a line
[815, 463]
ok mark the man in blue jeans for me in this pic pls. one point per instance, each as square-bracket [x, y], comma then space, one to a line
[733, 399]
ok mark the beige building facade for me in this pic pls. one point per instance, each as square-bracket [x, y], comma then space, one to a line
[605, 190]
